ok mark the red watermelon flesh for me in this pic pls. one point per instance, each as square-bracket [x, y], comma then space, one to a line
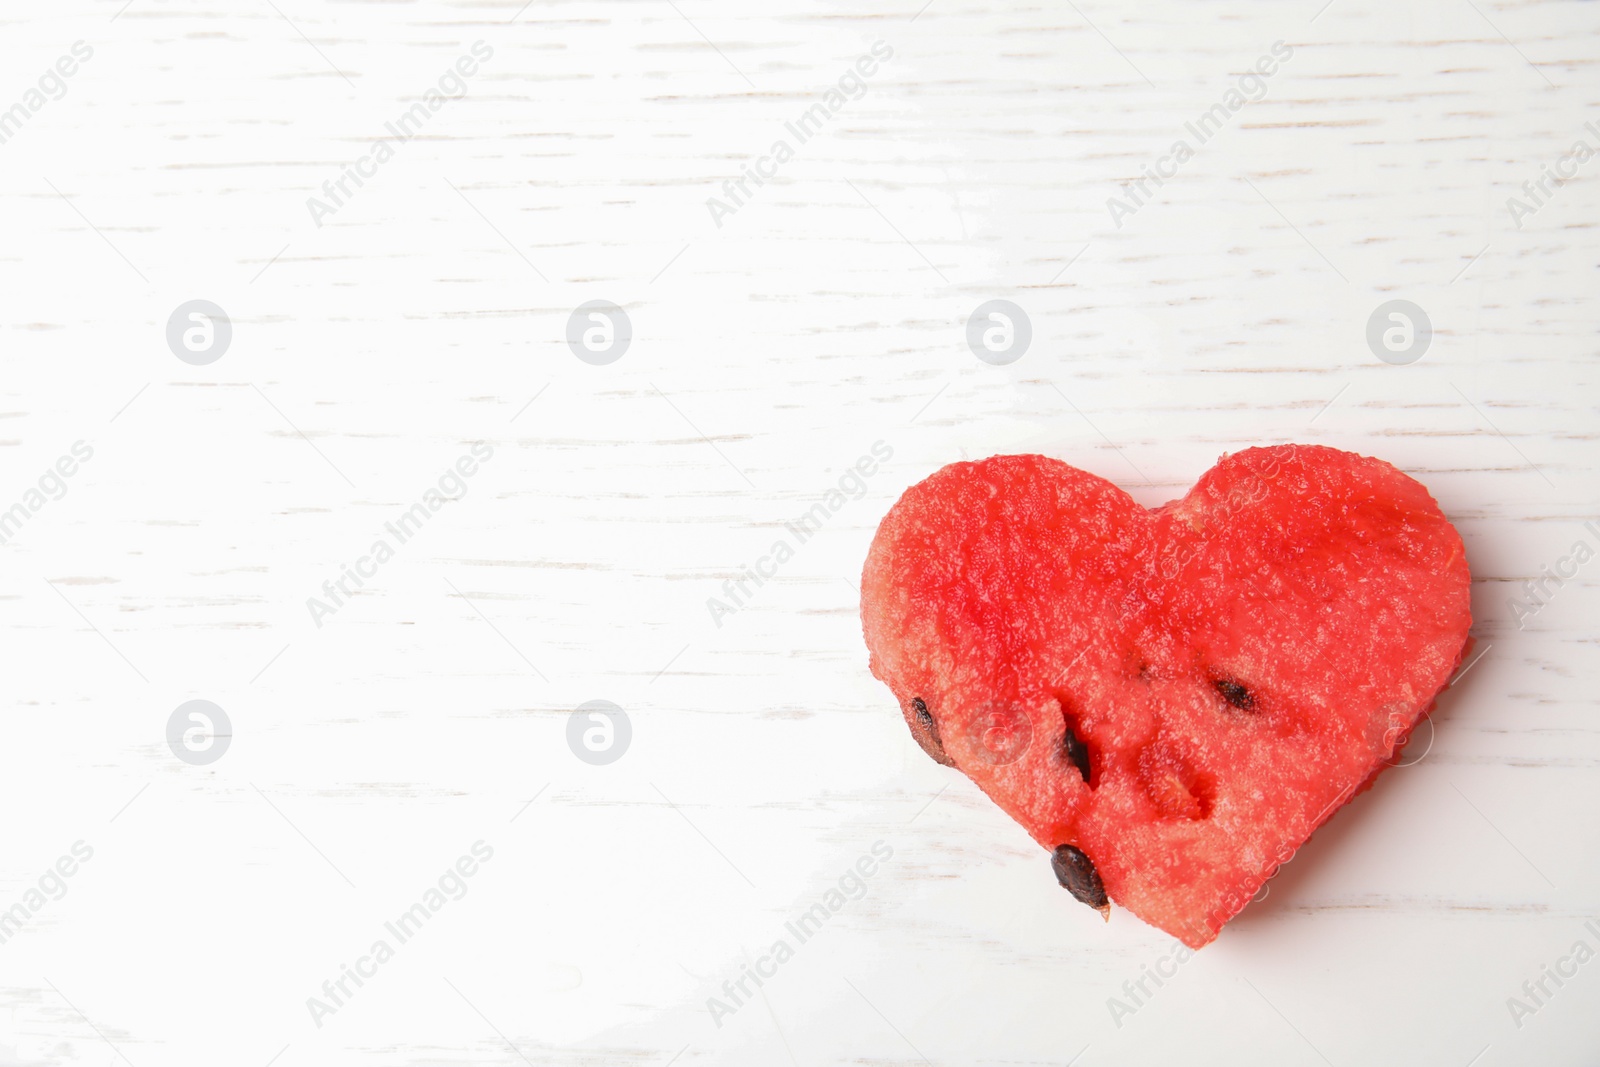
[1169, 700]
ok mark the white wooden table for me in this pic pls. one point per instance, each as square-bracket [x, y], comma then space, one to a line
[374, 741]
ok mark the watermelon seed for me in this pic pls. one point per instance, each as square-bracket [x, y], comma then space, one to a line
[1235, 694]
[1074, 749]
[927, 733]
[1075, 871]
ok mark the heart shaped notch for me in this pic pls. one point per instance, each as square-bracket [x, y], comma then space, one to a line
[1170, 701]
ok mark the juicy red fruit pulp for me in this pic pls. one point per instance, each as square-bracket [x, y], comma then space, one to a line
[1170, 700]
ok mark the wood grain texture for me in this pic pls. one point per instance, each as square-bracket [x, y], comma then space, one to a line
[826, 314]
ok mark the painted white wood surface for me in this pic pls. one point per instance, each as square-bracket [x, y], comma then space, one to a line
[769, 353]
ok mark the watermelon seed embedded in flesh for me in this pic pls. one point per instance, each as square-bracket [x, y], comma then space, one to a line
[1073, 748]
[1075, 871]
[1234, 693]
[926, 733]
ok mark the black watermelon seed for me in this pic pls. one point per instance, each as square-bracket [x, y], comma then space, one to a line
[1235, 694]
[1076, 751]
[926, 733]
[1075, 871]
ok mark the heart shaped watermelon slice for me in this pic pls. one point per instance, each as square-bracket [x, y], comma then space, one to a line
[1168, 700]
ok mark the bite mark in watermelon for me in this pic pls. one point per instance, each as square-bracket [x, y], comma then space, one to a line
[1170, 701]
